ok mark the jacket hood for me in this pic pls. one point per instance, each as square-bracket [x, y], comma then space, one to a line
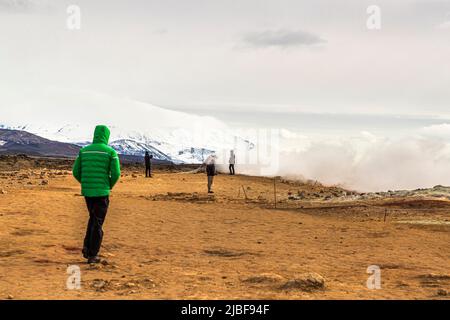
[211, 159]
[101, 134]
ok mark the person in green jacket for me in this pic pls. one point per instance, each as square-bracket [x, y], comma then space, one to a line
[97, 168]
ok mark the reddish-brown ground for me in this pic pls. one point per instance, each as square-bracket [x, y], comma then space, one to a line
[188, 245]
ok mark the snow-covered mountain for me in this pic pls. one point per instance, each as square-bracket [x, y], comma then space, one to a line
[174, 145]
[136, 127]
[135, 148]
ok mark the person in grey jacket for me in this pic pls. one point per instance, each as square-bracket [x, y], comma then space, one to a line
[232, 162]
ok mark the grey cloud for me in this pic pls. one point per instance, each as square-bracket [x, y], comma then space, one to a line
[282, 38]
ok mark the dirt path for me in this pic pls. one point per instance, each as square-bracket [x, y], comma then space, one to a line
[186, 245]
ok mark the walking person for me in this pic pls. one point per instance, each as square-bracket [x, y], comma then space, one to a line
[232, 162]
[210, 170]
[148, 164]
[97, 168]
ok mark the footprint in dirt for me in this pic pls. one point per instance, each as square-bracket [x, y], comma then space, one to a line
[28, 232]
[46, 261]
[224, 253]
[72, 249]
[10, 253]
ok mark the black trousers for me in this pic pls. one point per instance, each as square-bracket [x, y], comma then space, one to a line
[148, 171]
[98, 207]
[231, 168]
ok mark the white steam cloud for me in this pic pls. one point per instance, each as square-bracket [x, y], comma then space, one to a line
[369, 163]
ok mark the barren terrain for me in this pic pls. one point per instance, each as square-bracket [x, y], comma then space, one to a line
[166, 238]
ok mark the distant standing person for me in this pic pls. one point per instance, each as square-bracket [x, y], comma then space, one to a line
[97, 168]
[210, 170]
[148, 164]
[232, 162]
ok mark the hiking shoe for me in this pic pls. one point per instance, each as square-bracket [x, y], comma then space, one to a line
[95, 259]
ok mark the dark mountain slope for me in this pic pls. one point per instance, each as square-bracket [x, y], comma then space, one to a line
[16, 141]
[22, 142]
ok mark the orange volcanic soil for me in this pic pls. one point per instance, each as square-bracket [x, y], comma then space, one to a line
[166, 238]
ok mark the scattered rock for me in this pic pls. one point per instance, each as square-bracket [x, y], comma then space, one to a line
[176, 194]
[433, 280]
[99, 284]
[442, 292]
[183, 196]
[108, 254]
[10, 297]
[148, 283]
[94, 266]
[2, 191]
[44, 182]
[306, 282]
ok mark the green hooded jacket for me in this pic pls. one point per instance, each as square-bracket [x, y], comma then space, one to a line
[97, 166]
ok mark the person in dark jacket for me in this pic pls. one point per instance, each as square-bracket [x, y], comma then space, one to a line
[97, 168]
[210, 163]
[148, 164]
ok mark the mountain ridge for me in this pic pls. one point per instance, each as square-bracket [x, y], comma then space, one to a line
[26, 143]
[18, 141]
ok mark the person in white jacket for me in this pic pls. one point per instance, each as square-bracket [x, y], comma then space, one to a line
[232, 162]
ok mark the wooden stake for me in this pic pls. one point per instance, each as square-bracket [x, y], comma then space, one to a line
[275, 190]
[245, 193]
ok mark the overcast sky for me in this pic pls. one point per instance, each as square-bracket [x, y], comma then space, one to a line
[246, 55]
